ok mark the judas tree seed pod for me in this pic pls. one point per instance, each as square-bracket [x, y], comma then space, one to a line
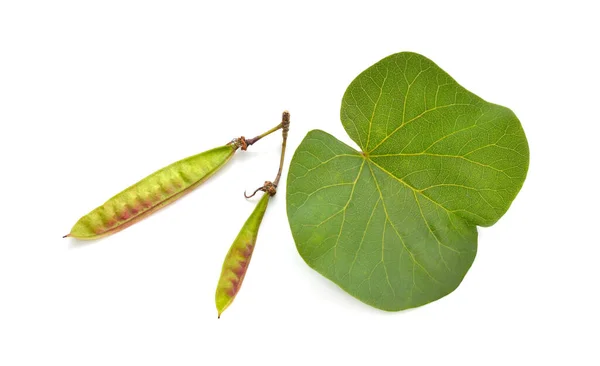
[239, 255]
[238, 258]
[152, 193]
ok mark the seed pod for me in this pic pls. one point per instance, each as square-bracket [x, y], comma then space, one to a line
[151, 193]
[238, 258]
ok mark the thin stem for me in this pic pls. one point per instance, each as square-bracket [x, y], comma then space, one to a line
[271, 187]
[285, 125]
[255, 139]
[253, 193]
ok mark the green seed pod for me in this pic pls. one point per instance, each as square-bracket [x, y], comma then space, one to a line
[238, 258]
[151, 193]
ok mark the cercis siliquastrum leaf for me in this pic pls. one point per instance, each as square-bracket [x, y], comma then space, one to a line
[238, 257]
[395, 224]
[157, 190]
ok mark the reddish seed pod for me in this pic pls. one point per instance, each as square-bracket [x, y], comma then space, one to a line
[238, 258]
[151, 193]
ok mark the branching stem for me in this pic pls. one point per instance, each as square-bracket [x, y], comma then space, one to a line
[251, 141]
[271, 187]
[285, 125]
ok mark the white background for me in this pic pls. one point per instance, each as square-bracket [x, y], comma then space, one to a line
[96, 95]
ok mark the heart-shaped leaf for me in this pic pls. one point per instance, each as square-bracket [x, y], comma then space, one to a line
[396, 224]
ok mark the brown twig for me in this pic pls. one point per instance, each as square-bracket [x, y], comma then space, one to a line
[243, 143]
[271, 187]
[285, 125]
[249, 142]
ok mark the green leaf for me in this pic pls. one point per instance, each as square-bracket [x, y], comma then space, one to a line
[396, 224]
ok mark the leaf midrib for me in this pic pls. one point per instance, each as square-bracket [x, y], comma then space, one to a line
[415, 190]
[404, 124]
[387, 217]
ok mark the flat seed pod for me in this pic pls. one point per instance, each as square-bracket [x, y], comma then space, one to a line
[151, 193]
[238, 258]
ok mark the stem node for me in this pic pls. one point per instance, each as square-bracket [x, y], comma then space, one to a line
[268, 187]
[271, 187]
